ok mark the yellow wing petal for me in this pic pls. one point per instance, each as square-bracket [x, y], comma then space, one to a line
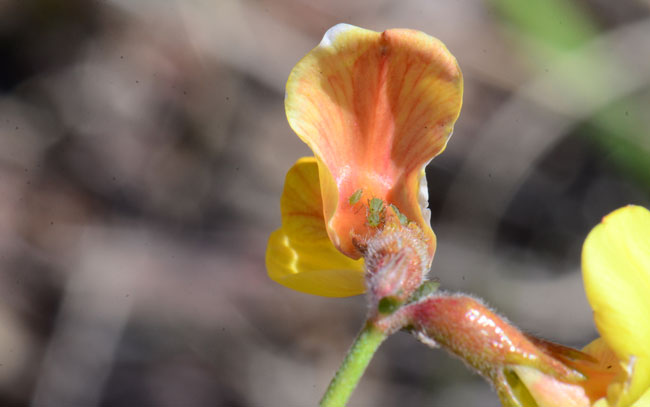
[616, 273]
[300, 254]
[374, 108]
[644, 401]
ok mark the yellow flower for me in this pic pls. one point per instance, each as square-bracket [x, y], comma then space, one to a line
[374, 108]
[616, 273]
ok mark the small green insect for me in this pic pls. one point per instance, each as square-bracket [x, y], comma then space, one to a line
[402, 218]
[376, 212]
[375, 205]
[354, 198]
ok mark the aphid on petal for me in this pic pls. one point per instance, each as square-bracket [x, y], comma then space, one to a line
[354, 198]
[376, 212]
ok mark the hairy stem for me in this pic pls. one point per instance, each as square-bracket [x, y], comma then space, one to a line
[353, 366]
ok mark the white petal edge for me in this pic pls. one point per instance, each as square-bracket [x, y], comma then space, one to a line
[330, 36]
[423, 194]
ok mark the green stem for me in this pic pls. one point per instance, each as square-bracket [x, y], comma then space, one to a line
[353, 366]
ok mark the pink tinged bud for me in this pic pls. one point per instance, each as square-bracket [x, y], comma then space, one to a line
[484, 340]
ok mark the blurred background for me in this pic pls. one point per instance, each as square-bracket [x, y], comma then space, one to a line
[143, 148]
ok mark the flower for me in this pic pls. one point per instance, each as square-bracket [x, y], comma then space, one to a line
[616, 273]
[374, 108]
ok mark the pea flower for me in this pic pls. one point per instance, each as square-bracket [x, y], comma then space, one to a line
[374, 108]
[616, 273]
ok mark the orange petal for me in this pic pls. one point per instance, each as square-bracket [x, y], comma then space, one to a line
[548, 391]
[300, 254]
[606, 370]
[375, 108]
[596, 362]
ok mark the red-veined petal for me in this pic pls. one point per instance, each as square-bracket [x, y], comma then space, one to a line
[375, 108]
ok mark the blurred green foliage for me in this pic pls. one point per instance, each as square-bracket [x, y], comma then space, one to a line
[560, 24]
[563, 27]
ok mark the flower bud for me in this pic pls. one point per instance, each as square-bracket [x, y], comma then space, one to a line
[396, 261]
[467, 328]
